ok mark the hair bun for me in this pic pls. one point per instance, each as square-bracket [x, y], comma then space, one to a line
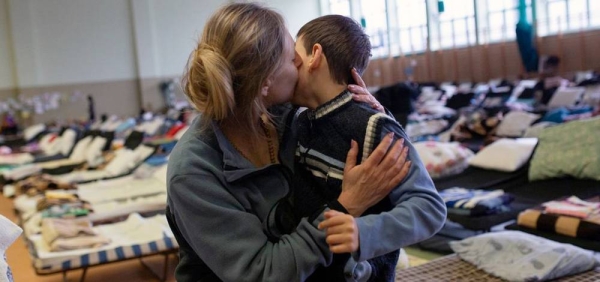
[209, 83]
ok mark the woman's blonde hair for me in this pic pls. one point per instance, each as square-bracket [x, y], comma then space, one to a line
[241, 46]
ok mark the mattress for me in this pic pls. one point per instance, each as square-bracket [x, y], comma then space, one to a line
[486, 222]
[550, 189]
[452, 268]
[132, 238]
[478, 178]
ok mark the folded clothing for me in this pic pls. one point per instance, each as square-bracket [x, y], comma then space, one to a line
[71, 234]
[539, 219]
[473, 202]
[572, 206]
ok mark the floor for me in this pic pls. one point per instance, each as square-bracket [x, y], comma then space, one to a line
[131, 270]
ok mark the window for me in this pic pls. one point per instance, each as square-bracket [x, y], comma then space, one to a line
[400, 27]
[339, 7]
[594, 10]
[374, 17]
[455, 25]
[408, 27]
[498, 19]
[556, 16]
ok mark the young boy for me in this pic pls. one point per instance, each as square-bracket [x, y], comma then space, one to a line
[329, 47]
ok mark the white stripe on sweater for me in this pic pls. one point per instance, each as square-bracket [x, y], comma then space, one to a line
[370, 137]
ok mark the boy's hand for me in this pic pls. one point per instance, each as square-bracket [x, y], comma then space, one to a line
[342, 232]
[362, 94]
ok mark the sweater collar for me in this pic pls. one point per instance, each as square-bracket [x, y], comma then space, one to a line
[323, 110]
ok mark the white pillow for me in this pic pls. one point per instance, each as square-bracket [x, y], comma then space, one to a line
[52, 147]
[80, 149]
[46, 141]
[122, 163]
[142, 152]
[566, 97]
[505, 154]
[152, 127]
[443, 159]
[515, 123]
[518, 256]
[161, 174]
[67, 139]
[32, 131]
[94, 151]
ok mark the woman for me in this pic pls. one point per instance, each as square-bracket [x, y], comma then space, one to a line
[234, 163]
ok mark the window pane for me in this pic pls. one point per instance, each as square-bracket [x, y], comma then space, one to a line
[374, 13]
[557, 16]
[499, 5]
[595, 13]
[456, 22]
[577, 14]
[411, 13]
[340, 7]
[411, 26]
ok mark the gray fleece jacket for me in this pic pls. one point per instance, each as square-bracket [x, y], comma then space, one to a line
[218, 206]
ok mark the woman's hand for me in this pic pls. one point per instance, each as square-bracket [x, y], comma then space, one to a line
[342, 232]
[362, 94]
[366, 184]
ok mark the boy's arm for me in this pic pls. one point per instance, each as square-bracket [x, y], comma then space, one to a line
[418, 213]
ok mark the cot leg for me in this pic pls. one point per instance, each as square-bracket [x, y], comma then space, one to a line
[165, 267]
[164, 277]
[83, 274]
[81, 279]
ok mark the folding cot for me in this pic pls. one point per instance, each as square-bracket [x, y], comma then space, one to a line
[134, 238]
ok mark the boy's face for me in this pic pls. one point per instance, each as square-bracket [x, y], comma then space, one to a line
[303, 90]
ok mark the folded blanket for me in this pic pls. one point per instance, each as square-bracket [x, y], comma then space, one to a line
[71, 234]
[472, 202]
[587, 228]
[82, 242]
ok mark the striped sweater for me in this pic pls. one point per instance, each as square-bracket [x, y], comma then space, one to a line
[324, 137]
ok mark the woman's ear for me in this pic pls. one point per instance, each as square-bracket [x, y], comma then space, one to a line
[265, 89]
[316, 57]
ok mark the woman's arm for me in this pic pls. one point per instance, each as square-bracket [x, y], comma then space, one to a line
[231, 241]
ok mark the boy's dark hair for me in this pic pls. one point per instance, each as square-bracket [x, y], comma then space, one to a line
[344, 43]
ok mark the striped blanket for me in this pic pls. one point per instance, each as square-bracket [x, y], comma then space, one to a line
[587, 227]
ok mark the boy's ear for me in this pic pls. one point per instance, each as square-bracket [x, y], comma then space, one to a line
[316, 57]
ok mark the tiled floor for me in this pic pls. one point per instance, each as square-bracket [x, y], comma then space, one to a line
[131, 270]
